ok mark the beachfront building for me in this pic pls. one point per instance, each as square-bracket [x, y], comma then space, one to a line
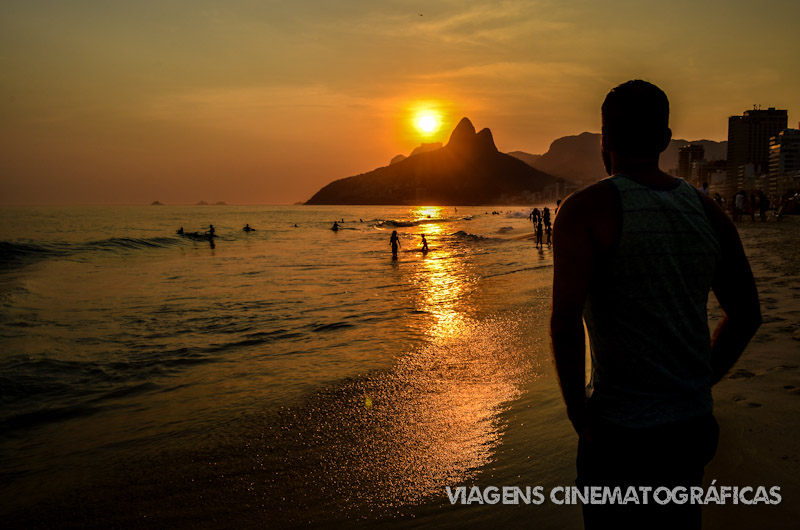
[712, 172]
[688, 155]
[748, 146]
[784, 162]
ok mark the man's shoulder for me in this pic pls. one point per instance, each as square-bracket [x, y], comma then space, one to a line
[594, 200]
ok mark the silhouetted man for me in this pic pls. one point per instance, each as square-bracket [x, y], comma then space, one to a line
[635, 256]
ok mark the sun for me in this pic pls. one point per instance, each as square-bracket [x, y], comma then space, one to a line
[427, 122]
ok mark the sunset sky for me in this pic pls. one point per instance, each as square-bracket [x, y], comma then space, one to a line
[264, 102]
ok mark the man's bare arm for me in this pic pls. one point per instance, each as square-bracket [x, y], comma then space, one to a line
[736, 292]
[572, 270]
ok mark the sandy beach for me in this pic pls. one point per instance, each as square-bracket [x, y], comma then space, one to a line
[756, 404]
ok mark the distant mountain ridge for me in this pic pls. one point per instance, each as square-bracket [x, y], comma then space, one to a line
[423, 148]
[578, 159]
[469, 170]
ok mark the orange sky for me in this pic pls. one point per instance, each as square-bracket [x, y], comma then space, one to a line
[265, 102]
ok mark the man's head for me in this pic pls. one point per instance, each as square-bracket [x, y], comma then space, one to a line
[636, 120]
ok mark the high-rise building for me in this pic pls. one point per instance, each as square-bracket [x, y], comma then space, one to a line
[784, 161]
[748, 144]
[712, 172]
[687, 155]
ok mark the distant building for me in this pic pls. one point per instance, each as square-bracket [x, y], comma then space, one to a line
[712, 172]
[784, 162]
[748, 145]
[688, 155]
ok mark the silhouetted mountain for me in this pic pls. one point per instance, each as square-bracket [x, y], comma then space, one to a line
[525, 157]
[423, 148]
[578, 158]
[156, 203]
[468, 170]
[574, 158]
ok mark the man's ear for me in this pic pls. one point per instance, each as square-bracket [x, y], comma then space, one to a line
[606, 143]
[666, 139]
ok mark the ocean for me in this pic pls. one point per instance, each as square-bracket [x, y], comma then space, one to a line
[291, 376]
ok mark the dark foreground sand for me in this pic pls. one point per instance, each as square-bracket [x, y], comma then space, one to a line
[757, 404]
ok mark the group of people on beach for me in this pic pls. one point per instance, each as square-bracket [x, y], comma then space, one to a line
[542, 225]
[743, 204]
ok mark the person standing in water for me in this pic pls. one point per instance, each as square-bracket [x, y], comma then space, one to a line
[424, 244]
[395, 242]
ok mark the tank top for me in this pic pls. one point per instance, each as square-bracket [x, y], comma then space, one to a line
[646, 311]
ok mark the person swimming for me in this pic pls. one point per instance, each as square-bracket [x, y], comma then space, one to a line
[247, 228]
[335, 226]
[180, 231]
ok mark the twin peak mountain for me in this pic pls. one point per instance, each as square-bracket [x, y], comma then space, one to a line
[469, 170]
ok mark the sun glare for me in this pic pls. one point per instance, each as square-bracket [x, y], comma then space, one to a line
[427, 122]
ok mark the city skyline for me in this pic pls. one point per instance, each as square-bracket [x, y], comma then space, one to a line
[264, 104]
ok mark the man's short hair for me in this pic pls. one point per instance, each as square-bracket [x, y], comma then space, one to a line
[636, 118]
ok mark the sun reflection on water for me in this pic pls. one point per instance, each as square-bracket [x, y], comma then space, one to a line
[400, 436]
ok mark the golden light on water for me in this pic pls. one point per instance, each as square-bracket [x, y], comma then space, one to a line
[399, 436]
[420, 213]
[430, 219]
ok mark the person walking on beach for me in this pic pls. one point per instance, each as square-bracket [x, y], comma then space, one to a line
[763, 206]
[539, 231]
[546, 217]
[395, 242]
[738, 205]
[635, 256]
[534, 217]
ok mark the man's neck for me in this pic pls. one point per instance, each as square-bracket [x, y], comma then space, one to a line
[641, 169]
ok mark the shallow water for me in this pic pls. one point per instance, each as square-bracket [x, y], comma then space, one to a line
[290, 377]
[293, 375]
